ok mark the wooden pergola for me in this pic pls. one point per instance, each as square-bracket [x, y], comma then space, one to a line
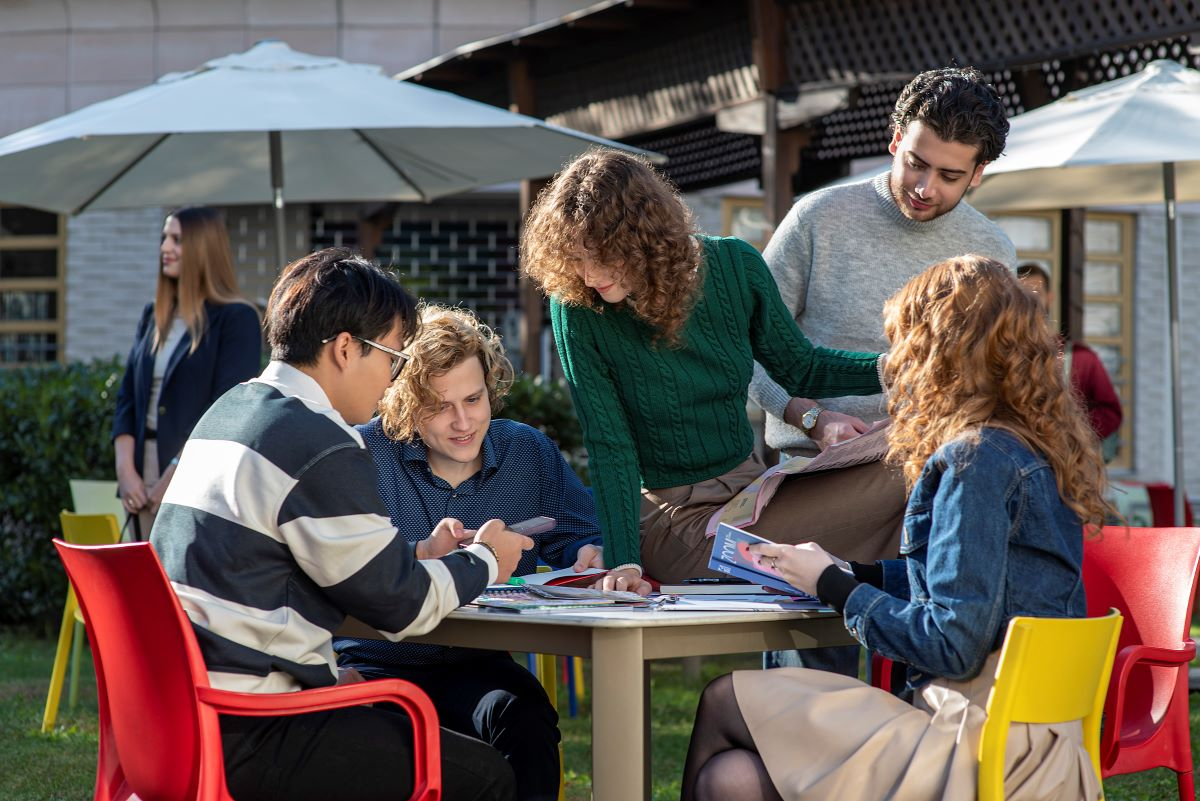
[789, 91]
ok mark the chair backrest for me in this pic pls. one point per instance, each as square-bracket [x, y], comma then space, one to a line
[1051, 670]
[91, 497]
[1149, 575]
[147, 666]
[91, 529]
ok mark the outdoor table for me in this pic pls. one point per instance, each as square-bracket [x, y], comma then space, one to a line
[620, 643]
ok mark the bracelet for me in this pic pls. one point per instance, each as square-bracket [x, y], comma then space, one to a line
[491, 548]
[629, 566]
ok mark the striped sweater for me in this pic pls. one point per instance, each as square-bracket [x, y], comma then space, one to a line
[272, 532]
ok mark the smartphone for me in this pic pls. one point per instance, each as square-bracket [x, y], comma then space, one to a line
[534, 525]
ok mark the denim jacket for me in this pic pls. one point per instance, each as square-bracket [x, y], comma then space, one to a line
[986, 538]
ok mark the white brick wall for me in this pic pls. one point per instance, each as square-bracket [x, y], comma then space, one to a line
[112, 266]
[1152, 417]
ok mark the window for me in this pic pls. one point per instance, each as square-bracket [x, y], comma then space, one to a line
[32, 298]
[1107, 293]
[744, 218]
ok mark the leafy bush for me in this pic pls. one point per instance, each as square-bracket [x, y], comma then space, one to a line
[547, 406]
[55, 422]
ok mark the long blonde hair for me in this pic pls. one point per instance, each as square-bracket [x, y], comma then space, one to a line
[970, 347]
[205, 274]
[627, 218]
[448, 336]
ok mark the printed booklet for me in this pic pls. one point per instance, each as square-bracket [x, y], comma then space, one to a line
[731, 556]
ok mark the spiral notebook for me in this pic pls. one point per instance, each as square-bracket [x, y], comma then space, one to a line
[534, 597]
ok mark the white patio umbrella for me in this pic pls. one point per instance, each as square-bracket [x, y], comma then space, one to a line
[230, 131]
[1132, 140]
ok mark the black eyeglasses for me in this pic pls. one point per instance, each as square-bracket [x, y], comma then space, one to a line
[398, 358]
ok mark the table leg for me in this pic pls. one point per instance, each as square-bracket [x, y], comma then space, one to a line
[620, 716]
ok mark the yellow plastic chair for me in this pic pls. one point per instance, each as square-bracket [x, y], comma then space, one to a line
[1051, 670]
[77, 529]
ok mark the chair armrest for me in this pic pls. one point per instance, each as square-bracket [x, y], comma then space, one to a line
[1114, 705]
[396, 691]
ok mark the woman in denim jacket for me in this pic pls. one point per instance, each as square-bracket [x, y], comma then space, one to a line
[1003, 475]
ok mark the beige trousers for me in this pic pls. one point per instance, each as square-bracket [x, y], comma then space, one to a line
[855, 513]
[150, 474]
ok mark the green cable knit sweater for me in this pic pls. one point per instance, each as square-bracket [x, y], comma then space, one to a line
[664, 417]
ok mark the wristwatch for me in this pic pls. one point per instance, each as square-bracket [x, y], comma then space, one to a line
[809, 421]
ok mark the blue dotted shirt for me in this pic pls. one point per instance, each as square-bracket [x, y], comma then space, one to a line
[523, 475]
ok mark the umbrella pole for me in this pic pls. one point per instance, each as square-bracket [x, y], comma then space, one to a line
[277, 190]
[1176, 356]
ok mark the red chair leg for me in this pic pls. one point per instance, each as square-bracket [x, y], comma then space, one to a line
[1187, 790]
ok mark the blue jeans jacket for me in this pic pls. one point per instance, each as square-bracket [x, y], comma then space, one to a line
[986, 538]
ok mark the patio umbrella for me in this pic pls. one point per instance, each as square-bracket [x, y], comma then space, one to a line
[230, 131]
[1132, 140]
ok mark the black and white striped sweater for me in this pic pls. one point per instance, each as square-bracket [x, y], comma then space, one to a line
[272, 532]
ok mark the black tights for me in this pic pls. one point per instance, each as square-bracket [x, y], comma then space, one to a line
[722, 762]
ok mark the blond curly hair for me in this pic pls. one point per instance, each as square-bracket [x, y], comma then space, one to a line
[628, 218]
[447, 337]
[970, 347]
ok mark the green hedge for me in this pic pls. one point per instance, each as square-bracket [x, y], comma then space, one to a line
[547, 406]
[55, 422]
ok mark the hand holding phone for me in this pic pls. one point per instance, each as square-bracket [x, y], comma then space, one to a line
[534, 525]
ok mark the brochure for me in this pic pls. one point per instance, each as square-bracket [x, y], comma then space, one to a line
[537, 597]
[746, 507]
[731, 555]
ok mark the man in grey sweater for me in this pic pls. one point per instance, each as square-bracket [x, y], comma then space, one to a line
[842, 251]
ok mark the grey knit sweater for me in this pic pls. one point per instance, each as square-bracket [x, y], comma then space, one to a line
[838, 255]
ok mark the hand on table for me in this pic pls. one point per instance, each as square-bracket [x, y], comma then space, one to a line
[799, 565]
[627, 580]
[588, 556]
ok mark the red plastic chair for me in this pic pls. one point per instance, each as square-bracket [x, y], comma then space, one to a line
[159, 737]
[1149, 574]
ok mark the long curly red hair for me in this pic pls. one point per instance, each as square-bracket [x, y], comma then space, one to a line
[626, 217]
[970, 347]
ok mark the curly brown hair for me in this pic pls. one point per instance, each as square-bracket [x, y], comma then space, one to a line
[970, 347]
[628, 218]
[448, 337]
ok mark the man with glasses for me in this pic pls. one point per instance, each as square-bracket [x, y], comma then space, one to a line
[273, 532]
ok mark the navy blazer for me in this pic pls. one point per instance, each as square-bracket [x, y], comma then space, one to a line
[229, 353]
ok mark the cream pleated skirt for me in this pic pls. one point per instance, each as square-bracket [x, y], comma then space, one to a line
[825, 736]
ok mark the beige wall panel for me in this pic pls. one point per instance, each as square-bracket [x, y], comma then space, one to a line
[452, 36]
[507, 14]
[33, 58]
[23, 106]
[292, 12]
[185, 50]
[393, 48]
[388, 12]
[317, 41]
[85, 94]
[110, 14]
[193, 14]
[550, 9]
[112, 56]
[32, 15]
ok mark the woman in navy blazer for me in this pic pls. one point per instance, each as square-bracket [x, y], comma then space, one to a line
[197, 339]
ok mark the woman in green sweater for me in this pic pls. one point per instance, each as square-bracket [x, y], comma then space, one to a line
[658, 329]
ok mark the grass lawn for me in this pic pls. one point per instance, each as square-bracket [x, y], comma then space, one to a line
[61, 766]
